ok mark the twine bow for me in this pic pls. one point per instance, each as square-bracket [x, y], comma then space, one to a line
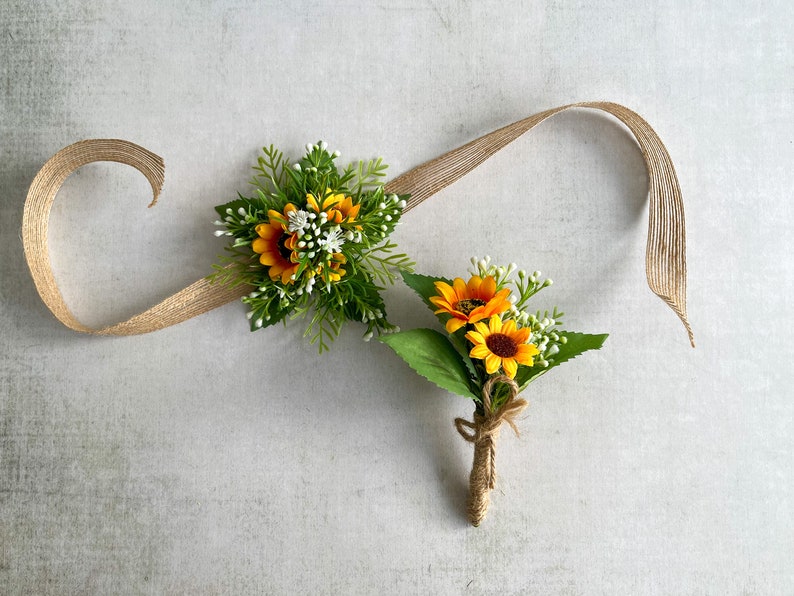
[665, 257]
[483, 432]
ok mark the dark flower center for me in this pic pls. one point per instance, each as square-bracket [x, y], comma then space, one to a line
[282, 249]
[468, 305]
[501, 345]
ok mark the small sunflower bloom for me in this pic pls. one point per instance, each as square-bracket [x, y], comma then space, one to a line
[344, 211]
[337, 207]
[501, 345]
[275, 249]
[326, 204]
[469, 302]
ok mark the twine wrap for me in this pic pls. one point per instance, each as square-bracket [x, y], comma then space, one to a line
[483, 432]
[665, 259]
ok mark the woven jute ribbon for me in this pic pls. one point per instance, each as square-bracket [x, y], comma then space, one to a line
[665, 259]
[483, 432]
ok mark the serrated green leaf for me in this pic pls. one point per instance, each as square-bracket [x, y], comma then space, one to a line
[234, 206]
[577, 343]
[424, 285]
[433, 356]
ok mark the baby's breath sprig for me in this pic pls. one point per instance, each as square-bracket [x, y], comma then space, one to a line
[313, 242]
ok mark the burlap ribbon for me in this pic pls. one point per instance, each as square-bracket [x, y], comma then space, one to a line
[665, 258]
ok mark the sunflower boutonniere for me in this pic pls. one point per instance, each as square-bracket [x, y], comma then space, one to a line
[493, 348]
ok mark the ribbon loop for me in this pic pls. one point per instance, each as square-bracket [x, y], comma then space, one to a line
[665, 255]
[196, 299]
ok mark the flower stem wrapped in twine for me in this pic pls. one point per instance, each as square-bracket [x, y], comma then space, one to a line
[483, 432]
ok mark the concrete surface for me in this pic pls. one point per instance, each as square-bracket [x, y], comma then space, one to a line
[204, 459]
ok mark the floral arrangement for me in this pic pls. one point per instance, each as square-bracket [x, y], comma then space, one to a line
[313, 239]
[493, 348]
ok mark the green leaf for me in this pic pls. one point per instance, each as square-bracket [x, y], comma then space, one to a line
[432, 355]
[233, 206]
[577, 343]
[424, 285]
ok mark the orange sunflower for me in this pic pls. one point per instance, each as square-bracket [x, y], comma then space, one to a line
[275, 248]
[336, 205]
[501, 345]
[469, 302]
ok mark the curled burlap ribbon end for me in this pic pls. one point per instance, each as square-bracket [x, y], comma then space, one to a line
[196, 299]
[483, 432]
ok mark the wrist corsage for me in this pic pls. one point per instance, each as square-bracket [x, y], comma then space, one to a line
[493, 348]
[313, 239]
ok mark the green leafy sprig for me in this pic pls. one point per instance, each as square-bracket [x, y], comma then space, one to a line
[447, 359]
[313, 243]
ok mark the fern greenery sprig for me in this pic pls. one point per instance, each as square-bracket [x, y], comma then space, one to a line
[313, 243]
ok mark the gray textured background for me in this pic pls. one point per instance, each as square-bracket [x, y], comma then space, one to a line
[203, 459]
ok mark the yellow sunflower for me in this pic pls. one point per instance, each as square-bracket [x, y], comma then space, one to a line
[275, 248]
[326, 204]
[469, 302]
[335, 271]
[336, 205]
[501, 345]
[344, 211]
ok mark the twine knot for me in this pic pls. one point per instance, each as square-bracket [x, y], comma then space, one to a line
[483, 432]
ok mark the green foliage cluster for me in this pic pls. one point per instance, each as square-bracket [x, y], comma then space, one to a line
[313, 242]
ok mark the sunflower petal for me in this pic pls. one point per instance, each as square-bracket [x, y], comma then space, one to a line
[259, 245]
[502, 294]
[459, 286]
[522, 335]
[478, 314]
[482, 328]
[492, 363]
[268, 231]
[528, 349]
[332, 199]
[525, 360]
[441, 303]
[474, 286]
[480, 351]
[454, 324]
[495, 324]
[269, 259]
[509, 328]
[446, 292]
[487, 289]
[276, 217]
[352, 213]
[476, 338]
[510, 366]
